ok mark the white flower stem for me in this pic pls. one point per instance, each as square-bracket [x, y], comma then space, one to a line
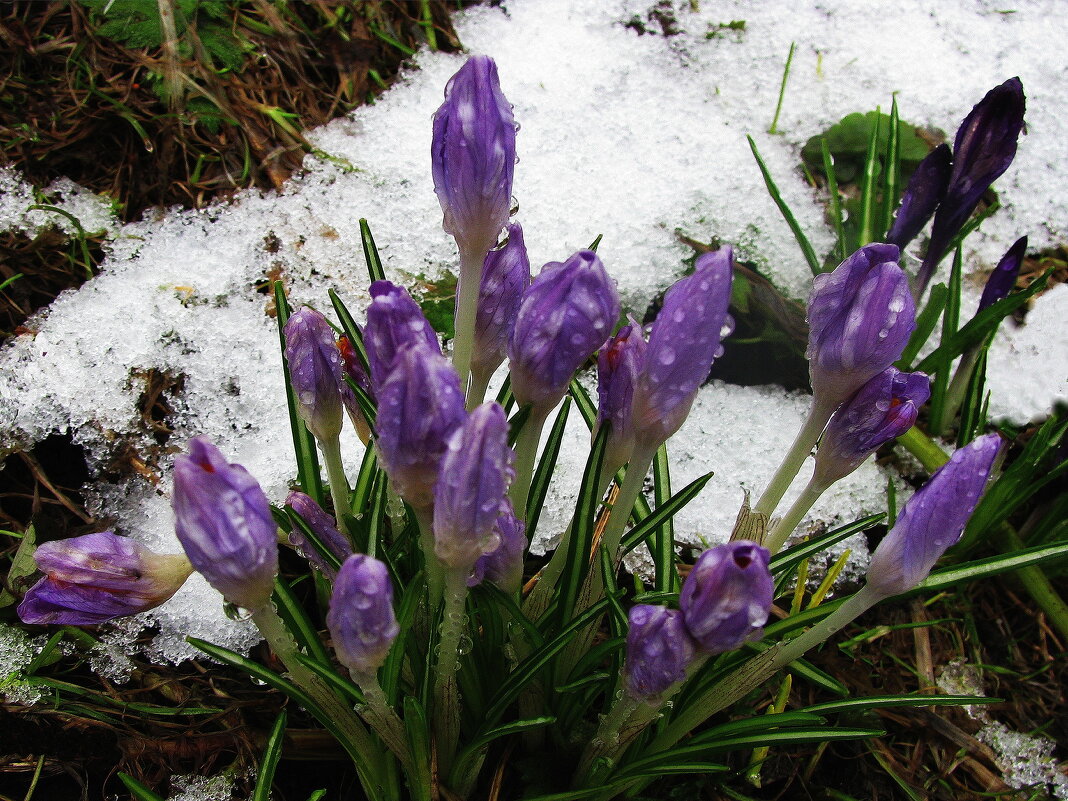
[466, 307]
[446, 686]
[339, 483]
[526, 451]
[381, 717]
[818, 415]
[785, 526]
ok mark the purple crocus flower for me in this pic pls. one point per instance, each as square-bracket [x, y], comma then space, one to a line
[659, 650]
[566, 314]
[97, 577]
[503, 566]
[475, 473]
[619, 365]
[921, 197]
[1002, 281]
[420, 405]
[320, 522]
[351, 368]
[984, 148]
[860, 318]
[881, 410]
[933, 519]
[361, 620]
[224, 523]
[726, 598]
[315, 372]
[505, 277]
[684, 341]
[473, 155]
[393, 321]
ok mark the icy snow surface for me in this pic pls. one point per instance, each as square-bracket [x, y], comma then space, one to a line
[626, 135]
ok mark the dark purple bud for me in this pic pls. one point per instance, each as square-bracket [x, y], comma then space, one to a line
[475, 473]
[224, 523]
[684, 341]
[659, 649]
[505, 277]
[726, 598]
[566, 314]
[361, 620]
[860, 318]
[925, 191]
[420, 405]
[503, 566]
[323, 525]
[473, 155]
[880, 411]
[619, 364]
[984, 148]
[353, 369]
[1003, 280]
[97, 577]
[933, 519]
[315, 372]
[393, 321]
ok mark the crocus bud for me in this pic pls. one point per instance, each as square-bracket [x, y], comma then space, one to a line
[505, 277]
[393, 321]
[351, 368]
[984, 148]
[503, 566]
[659, 649]
[684, 341]
[97, 577]
[420, 405]
[860, 318]
[933, 519]
[566, 314]
[924, 192]
[315, 372]
[224, 523]
[619, 364]
[473, 155]
[322, 524]
[361, 620]
[881, 410]
[726, 598]
[475, 473]
[1002, 281]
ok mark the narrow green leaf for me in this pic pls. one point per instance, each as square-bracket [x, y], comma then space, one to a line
[137, 790]
[351, 329]
[840, 249]
[587, 408]
[297, 522]
[596, 243]
[886, 701]
[417, 732]
[663, 512]
[680, 769]
[791, 557]
[605, 790]
[543, 473]
[22, 565]
[516, 727]
[317, 795]
[406, 612]
[992, 566]
[516, 423]
[891, 170]
[773, 190]
[297, 622]
[362, 490]
[364, 401]
[663, 550]
[926, 320]
[971, 408]
[271, 754]
[942, 369]
[814, 675]
[782, 89]
[370, 253]
[868, 219]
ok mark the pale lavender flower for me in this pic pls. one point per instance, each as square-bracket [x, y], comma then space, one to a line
[566, 315]
[860, 318]
[97, 577]
[924, 192]
[420, 405]
[933, 519]
[224, 523]
[503, 566]
[1002, 281]
[475, 473]
[324, 527]
[659, 650]
[361, 620]
[727, 596]
[505, 277]
[314, 372]
[393, 321]
[473, 155]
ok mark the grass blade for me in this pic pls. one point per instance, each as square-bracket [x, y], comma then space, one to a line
[667, 576]
[840, 249]
[867, 193]
[370, 253]
[543, 474]
[271, 754]
[806, 246]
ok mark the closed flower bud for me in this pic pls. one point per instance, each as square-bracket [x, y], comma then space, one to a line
[984, 148]
[475, 473]
[860, 318]
[420, 405]
[933, 519]
[619, 364]
[726, 598]
[393, 321]
[505, 277]
[361, 620]
[566, 314]
[881, 410]
[924, 192]
[473, 155]
[659, 650]
[684, 341]
[351, 368]
[1003, 280]
[503, 566]
[224, 523]
[315, 372]
[97, 577]
[324, 527]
